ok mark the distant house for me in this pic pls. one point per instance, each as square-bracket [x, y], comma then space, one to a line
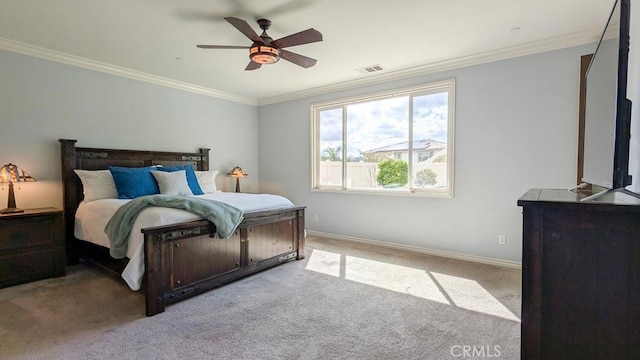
[423, 150]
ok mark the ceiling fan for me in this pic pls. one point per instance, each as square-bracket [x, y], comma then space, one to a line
[265, 50]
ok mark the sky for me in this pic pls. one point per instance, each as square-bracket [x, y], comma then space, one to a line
[379, 123]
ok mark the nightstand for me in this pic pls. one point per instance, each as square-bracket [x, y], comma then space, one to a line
[31, 246]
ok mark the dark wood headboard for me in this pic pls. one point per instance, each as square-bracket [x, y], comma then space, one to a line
[100, 159]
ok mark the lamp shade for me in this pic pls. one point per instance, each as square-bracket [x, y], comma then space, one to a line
[237, 172]
[263, 54]
[11, 173]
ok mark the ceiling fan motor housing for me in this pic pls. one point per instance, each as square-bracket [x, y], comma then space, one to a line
[264, 24]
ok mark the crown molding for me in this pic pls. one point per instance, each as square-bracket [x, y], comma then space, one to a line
[575, 39]
[535, 47]
[68, 59]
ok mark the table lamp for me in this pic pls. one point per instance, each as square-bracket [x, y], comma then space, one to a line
[9, 174]
[237, 173]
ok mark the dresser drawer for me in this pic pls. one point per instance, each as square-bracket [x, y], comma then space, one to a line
[25, 232]
[31, 246]
[21, 268]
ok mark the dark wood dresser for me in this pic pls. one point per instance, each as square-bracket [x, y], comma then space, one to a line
[580, 276]
[31, 246]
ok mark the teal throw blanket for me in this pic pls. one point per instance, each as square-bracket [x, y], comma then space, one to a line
[225, 217]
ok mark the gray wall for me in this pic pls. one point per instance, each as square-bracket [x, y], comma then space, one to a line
[42, 101]
[516, 128]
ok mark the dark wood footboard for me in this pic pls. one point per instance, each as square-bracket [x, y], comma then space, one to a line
[187, 259]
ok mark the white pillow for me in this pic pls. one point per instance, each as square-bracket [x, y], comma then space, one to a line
[97, 184]
[172, 183]
[207, 180]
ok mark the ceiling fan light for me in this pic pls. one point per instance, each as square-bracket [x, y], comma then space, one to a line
[263, 54]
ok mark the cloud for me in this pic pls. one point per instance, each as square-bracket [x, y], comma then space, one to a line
[379, 123]
[331, 126]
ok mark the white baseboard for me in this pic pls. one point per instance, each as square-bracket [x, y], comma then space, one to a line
[421, 250]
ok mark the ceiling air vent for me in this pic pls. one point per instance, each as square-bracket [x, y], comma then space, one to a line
[370, 69]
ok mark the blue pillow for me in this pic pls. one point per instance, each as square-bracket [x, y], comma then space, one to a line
[134, 182]
[192, 179]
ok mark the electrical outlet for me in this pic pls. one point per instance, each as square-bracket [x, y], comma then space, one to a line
[315, 218]
[502, 239]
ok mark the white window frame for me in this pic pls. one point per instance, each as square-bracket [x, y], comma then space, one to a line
[435, 87]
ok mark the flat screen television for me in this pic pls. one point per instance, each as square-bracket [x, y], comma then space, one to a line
[607, 108]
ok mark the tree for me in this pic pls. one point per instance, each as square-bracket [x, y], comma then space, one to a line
[332, 154]
[426, 177]
[392, 173]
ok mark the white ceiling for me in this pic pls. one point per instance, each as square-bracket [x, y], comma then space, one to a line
[157, 38]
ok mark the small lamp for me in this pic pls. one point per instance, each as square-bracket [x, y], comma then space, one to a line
[237, 173]
[11, 173]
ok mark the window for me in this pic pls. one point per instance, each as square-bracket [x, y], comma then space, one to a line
[424, 155]
[374, 143]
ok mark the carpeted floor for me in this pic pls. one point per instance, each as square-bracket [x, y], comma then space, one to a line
[344, 301]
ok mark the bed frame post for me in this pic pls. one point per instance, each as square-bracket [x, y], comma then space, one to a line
[70, 196]
[301, 235]
[204, 162]
[153, 275]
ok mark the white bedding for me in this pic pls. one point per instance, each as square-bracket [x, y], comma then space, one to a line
[92, 217]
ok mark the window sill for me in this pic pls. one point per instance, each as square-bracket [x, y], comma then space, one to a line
[406, 193]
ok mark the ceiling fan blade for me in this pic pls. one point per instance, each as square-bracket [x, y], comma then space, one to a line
[253, 66]
[222, 47]
[303, 37]
[305, 62]
[244, 28]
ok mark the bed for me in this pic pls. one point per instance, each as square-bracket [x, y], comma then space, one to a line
[180, 260]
